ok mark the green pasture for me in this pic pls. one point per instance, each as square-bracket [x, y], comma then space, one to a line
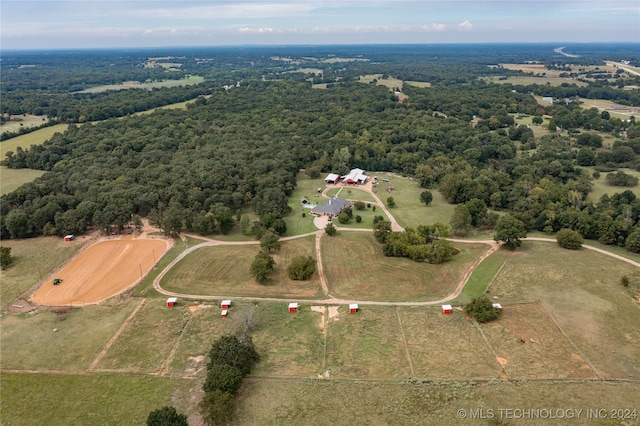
[34, 259]
[37, 137]
[351, 193]
[225, 270]
[409, 211]
[367, 215]
[356, 268]
[145, 344]
[289, 344]
[11, 179]
[96, 399]
[600, 186]
[483, 275]
[48, 341]
[527, 80]
[305, 401]
[581, 290]
[446, 347]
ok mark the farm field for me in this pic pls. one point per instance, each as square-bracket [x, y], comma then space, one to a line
[25, 121]
[356, 268]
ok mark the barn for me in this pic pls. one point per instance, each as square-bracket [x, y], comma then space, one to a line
[332, 178]
[355, 177]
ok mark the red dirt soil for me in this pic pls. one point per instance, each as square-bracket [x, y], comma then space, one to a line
[103, 270]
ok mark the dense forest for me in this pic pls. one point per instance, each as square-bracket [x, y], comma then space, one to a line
[242, 146]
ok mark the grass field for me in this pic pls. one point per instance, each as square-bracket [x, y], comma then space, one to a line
[409, 211]
[23, 121]
[30, 342]
[37, 137]
[305, 188]
[529, 80]
[61, 399]
[483, 275]
[354, 194]
[446, 347]
[602, 314]
[143, 347]
[11, 179]
[356, 269]
[225, 271]
[600, 186]
[33, 259]
[305, 402]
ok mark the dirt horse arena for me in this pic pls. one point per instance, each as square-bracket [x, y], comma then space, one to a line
[103, 270]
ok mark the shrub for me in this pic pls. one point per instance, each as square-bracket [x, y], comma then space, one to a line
[166, 416]
[482, 310]
[301, 267]
[569, 239]
[5, 257]
[223, 377]
[343, 218]
[330, 229]
[358, 218]
[624, 281]
[621, 178]
[359, 205]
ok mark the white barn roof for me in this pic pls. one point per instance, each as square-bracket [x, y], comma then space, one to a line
[355, 175]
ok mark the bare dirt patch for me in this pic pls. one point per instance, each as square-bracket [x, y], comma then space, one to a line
[103, 270]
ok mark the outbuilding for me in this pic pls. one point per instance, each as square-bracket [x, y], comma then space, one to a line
[223, 314]
[171, 302]
[353, 308]
[332, 178]
[225, 304]
[68, 237]
[446, 309]
[497, 306]
[293, 307]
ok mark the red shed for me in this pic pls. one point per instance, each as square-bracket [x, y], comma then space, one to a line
[171, 302]
[293, 307]
[446, 309]
[68, 237]
[223, 314]
[225, 304]
[353, 308]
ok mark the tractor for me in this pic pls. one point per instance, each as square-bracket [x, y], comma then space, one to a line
[57, 281]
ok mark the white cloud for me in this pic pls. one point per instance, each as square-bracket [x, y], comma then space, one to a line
[434, 27]
[465, 26]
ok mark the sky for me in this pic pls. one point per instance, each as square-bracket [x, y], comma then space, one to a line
[52, 24]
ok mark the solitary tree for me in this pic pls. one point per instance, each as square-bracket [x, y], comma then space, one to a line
[482, 310]
[262, 266]
[330, 229]
[426, 197]
[301, 267]
[391, 202]
[510, 230]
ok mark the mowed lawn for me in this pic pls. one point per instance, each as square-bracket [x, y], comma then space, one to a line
[70, 400]
[47, 341]
[356, 268]
[226, 271]
[37, 137]
[34, 259]
[581, 290]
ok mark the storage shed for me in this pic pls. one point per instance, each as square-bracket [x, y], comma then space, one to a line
[223, 314]
[353, 308]
[68, 237]
[171, 302]
[293, 307]
[225, 304]
[446, 309]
